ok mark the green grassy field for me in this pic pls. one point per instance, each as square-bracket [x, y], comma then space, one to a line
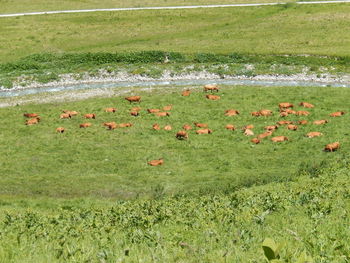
[36, 161]
[262, 30]
[12, 6]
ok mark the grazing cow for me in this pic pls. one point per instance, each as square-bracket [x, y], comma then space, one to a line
[255, 113]
[204, 131]
[289, 111]
[156, 127]
[250, 126]
[156, 162]
[264, 135]
[302, 122]
[124, 125]
[331, 147]
[136, 109]
[284, 122]
[230, 127]
[90, 116]
[65, 116]
[212, 97]
[255, 140]
[302, 113]
[279, 139]
[337, 114]
[153, 110]
[60, 130]
[313, 134]
[211, 88]
[168, 107]
[30, 115]
[248, 132]
[33, 121]
[285, 105]
[265, 113]
[271, 127]
[162, 114]
[133, 99]
[200, 125]
[85, 125]
[292, 127]
[284, 114]
[186, 93]
[167, 127]
[181, 135]
[187, 127]
[320, 122]
[306, 105]
[71, 112]
[110, 109]
[231, 112]
[134, 113]
[110, 125]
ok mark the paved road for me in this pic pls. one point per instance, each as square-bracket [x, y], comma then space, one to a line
[163, 8]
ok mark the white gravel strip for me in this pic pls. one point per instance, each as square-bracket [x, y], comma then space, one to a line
[163, 8]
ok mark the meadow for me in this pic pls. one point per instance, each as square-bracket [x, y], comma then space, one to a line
[98, 163]
[285, 29]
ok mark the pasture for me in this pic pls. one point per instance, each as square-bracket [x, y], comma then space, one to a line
[285, 29]
[96, 162]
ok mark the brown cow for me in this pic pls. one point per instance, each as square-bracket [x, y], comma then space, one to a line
[71, 112]
[231, 112]
[255, 140]
[153, 110]
[136, 109]
[200, 125]
[156, 127]
[265, 113]
[313, 134]
[264, 135]
[186, 93]
[284, 122]
[230, 127]
[181, 135]
[292, 127]
[306, 105]
[271, 127]
[60, 130]
[90, 116]
[167, 127]
[283, 114]
[279, 139]
[33, 121]
[320, 122]
[85, 125]
[30, 115]
[302, 113]
[162, 114]
[250, 126]
[302, 122]
[124, 125]
[285, 105]
[248, 132]
[255, 114]
[133, 99]
[204, 131]
[110, 125]
[331, 147]
[212, 97]
[187, 127]
[337, 114]
[211, 88]
[110, 109]
[156, 162]
[134, 113]
[65, 116]
[168, 107]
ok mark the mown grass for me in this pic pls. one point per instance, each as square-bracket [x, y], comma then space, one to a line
[13, 6]
[36, 161]
[306, 216]
[260, 30]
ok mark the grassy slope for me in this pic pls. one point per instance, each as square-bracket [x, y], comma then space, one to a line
[99, 163]
[12, 6]
[307, 215]
[296, 30]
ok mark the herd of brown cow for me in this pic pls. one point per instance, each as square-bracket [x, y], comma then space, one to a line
[285, 109]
